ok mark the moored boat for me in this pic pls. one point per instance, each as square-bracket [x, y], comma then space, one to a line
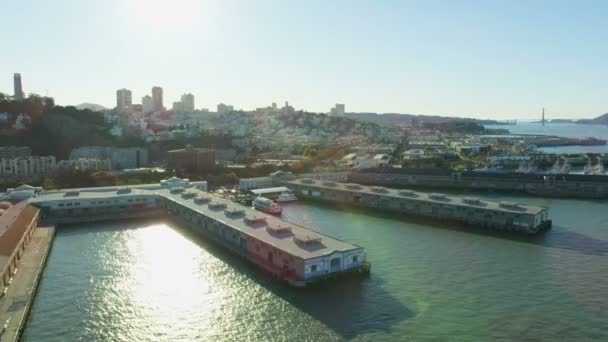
[287, 196]
[266, 205]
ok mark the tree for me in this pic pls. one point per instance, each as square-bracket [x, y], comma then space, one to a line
[104, 178]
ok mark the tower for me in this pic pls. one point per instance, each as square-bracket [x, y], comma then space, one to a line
[124, 99]
[147, 104]
[187, 101]
[17, 87]
[157, 98]
[543, 118]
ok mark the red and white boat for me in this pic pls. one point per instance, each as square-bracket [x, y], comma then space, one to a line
[267, 205]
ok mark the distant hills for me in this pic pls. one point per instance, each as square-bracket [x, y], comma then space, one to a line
[600, 120]
[392, 119]
[92, 106]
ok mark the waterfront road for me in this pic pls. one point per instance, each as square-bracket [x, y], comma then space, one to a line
[15, 304]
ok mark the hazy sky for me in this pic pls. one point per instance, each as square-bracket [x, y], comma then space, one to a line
[495, 59]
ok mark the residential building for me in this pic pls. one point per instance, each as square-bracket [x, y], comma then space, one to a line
[121, 157]
[191, 160]
[224, 109]
[157, 98]
[246, 184]
[85, 164]
[147, 104]
[123, 100]
[19, 96]
[178, 106]
[187, 101]
[338, 110]
[27, 168]
[12, 152]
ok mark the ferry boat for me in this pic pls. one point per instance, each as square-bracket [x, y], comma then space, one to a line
[267, 205]
[287, 196]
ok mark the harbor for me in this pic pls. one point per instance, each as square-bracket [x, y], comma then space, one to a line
[154, 280]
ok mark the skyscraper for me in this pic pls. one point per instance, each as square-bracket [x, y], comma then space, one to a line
[17, 86]
[188, 103]
[147, 104]
[157, 97]
[123, 99]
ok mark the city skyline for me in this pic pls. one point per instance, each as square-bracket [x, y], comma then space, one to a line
[502, 61]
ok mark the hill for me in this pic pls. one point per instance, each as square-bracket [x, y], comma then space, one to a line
[392, 119]
[92, 107]
[600, 120]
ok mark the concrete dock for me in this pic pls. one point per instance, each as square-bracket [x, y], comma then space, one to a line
[16, 303]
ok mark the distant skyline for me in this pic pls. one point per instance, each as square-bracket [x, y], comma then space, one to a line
[483, 59]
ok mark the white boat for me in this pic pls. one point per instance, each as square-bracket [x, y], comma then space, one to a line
[266, 205]
[287, 196]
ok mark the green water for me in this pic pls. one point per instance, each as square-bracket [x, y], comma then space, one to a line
[150, 281]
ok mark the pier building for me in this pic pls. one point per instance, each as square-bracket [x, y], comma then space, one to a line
[558, 185]
[282, 249]
[498, 215]
[17, 223]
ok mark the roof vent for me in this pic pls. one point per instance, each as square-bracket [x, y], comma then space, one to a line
[72, 193]
[438, 197]
[307, 240]
[471, 201]
[123, 191]
[509, 205]
[278, 228]
[353, 187]
[234, 211]
[217, 205]
[255, 219]
[407, 194]
[331, 184]
[202, 199]
[379, 189]
[189, 193]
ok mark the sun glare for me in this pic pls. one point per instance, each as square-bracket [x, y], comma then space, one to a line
[167, 16]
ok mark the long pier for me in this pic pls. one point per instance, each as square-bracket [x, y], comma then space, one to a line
[284, 250]
[497, 215]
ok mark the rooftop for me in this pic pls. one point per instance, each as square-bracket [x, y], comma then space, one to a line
[269, 190]
[286, 238]
[422, 196]
[247, 220]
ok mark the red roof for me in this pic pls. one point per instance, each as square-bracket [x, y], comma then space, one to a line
[13, 224]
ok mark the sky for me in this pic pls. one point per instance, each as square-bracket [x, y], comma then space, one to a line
[497, 59]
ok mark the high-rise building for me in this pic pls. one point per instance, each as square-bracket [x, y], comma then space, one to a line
[123, 99]
[157, 97]
[18, 87]
[338, 110]
[147, 104]
[187, 103]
